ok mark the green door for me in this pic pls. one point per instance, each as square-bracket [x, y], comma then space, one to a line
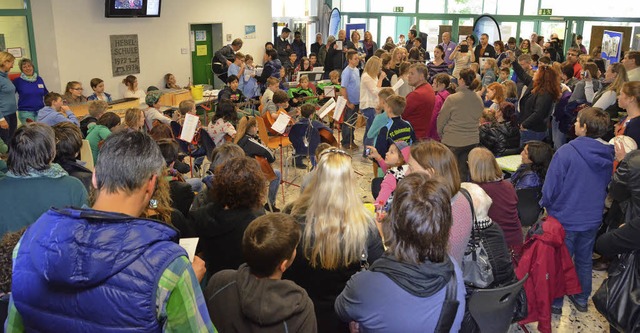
[202, 53]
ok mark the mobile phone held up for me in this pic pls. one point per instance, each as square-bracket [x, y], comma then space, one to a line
[367, 151]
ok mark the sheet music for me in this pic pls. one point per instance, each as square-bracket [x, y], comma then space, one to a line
[340, 105]
[339, 44]
[329, 91]
[189, 244]
[326, 108]
[398, 85]
[259, 71]
[189, 127]
[280, 125]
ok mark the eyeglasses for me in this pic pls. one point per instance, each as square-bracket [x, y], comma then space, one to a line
[334, 151]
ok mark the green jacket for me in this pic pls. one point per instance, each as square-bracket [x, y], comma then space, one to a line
[95, 135]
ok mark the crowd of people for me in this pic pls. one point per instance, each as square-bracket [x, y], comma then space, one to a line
[97, 250]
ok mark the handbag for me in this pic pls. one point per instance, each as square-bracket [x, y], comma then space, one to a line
[476, 268]
[618, 298]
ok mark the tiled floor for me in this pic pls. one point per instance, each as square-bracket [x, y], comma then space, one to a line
[571, 321]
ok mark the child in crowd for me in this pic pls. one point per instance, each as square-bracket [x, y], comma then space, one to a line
[96, 109]
[536, 157]
[187, 107]
[443, 88]
[396, 128]
[181, 192]
[306, 180]
[510, 92]
[279, 105]
[237, 68]
[134, 120]
[334, 82]
[55, 111]
[238, 299]
[394, 165]
[306, 112]
[152, 114]
[221, 128]
[487, 118]
[574, 192]
[494, 96]
[272, 87]
[302, 94]
[97, 85]
[73, 94]
[250, 87]
[230, 91]
[170, 81]
[247, 138]
[504, 74]
[382, 118]
[132, 88]
[476, 69]
[291, 71]
[490, 71]
[101, 131]
[283, 79]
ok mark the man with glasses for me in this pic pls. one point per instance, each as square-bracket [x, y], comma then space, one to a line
[572, 58]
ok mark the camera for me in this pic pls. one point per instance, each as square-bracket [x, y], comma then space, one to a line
[464, 48]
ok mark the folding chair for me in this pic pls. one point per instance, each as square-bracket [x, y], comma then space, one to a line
[274, 142]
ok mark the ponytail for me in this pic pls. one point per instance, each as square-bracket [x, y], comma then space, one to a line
[468, 75]
[475, 84]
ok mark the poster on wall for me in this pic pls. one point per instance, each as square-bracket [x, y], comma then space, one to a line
[611, 46]
[250, 32]
[125, 55]
[360, 28]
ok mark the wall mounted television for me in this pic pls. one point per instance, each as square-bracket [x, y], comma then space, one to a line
[132, 8]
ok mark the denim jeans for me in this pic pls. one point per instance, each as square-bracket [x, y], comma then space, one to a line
[580, 245]
[24, 115]
[527, 135]
[274, 185]
[349, 117]
[558, 137]
[370, 113]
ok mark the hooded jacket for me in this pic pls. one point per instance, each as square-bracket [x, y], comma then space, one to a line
[551, 272]
[240, 302]
[576, 183]
[88, 271]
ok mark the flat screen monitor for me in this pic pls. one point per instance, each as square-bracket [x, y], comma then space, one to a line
[132, 8]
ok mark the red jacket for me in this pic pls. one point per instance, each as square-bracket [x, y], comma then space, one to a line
[419, 109]
[551, 272]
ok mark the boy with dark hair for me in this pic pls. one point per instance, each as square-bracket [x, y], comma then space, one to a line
[302, 94]
[279, 105]
[254, 297]
[574, 192]
[396, 129]
[231, 91]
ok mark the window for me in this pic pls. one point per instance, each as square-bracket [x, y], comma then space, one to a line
[12, 4]
[432, 28]
[373, 29]
[617, 8]
[354, 6]
[386, 6]
[432, 6]
[508, 30]
[531, 7]
[508, 7]
[526, 28]
[465, 7]
[13, 35]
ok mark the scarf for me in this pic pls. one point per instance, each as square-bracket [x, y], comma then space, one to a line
[54, 171]
[31, 78]
[422, 280]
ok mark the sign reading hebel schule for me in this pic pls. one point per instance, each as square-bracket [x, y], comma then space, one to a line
[125, 55]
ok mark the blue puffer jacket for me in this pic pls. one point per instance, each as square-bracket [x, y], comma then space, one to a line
[81, 270]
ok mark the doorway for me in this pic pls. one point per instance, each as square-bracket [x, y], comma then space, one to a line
[205, 40]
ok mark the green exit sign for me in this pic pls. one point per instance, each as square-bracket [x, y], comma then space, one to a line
[545, 11]
[398, 9]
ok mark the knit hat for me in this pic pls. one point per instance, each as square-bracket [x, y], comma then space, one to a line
[153, 97]
[404, 149]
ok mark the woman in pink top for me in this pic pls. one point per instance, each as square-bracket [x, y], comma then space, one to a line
[437, 160]
[443, 88]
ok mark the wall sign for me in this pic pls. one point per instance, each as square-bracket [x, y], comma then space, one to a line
[125, 55]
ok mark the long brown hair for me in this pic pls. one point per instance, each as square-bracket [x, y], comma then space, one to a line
[433, 155]
[244, 124]
[546, 80]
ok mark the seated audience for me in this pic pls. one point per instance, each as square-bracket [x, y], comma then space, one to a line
[238, 195]
[629, 100]
[404, 290]
[339, 236]
[33, 183]
[578, 204]
[220, 155]
[502, 136]
[96, 109]
[435, 159]
[131, 267]
[170, 82]
[152, 115]
[99, 94]
[306, 114]
[180, 191]
[134, 120]
[100, 131]
[254, 297]
[486, 172]
[132, 91]
[68, 145]
[231, 92]
[221, 128]
[247, 139]
[396, 129]
[536, 157]
[73, 94]
[55, 111]
[7, 244]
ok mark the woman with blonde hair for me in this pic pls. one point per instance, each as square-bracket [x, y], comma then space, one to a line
[370, 84]
[339, 236]
[8, 105]
[398, 55]
[614, 78]
[435, 159]
[486, 172]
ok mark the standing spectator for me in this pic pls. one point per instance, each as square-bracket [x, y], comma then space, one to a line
[283, 47]
[438, 64]
[458, 120]
[404, 290]
[298, 46]
[462, 56]
[55, 111]
[396, 129]
[336, 56]
[322, 52]
[420, 101]
[614, 78]
[583, 49]
[351, 83]
[33, 183]
[8, 105]
[629, 100]
[107, 256]
[369, 45]
[572, 59]
[502, 138]
[413, 33]
[486, 172]
[631, 62]
[370, 84]
[315, 47]
[535, 49]
[224, 57]
[448, 46]
[484, 49]
[525, 47]
[576, 203]
[500, 51]
[31, 91]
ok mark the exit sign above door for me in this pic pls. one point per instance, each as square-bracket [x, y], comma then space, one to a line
[398, 9]
[545, 11]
